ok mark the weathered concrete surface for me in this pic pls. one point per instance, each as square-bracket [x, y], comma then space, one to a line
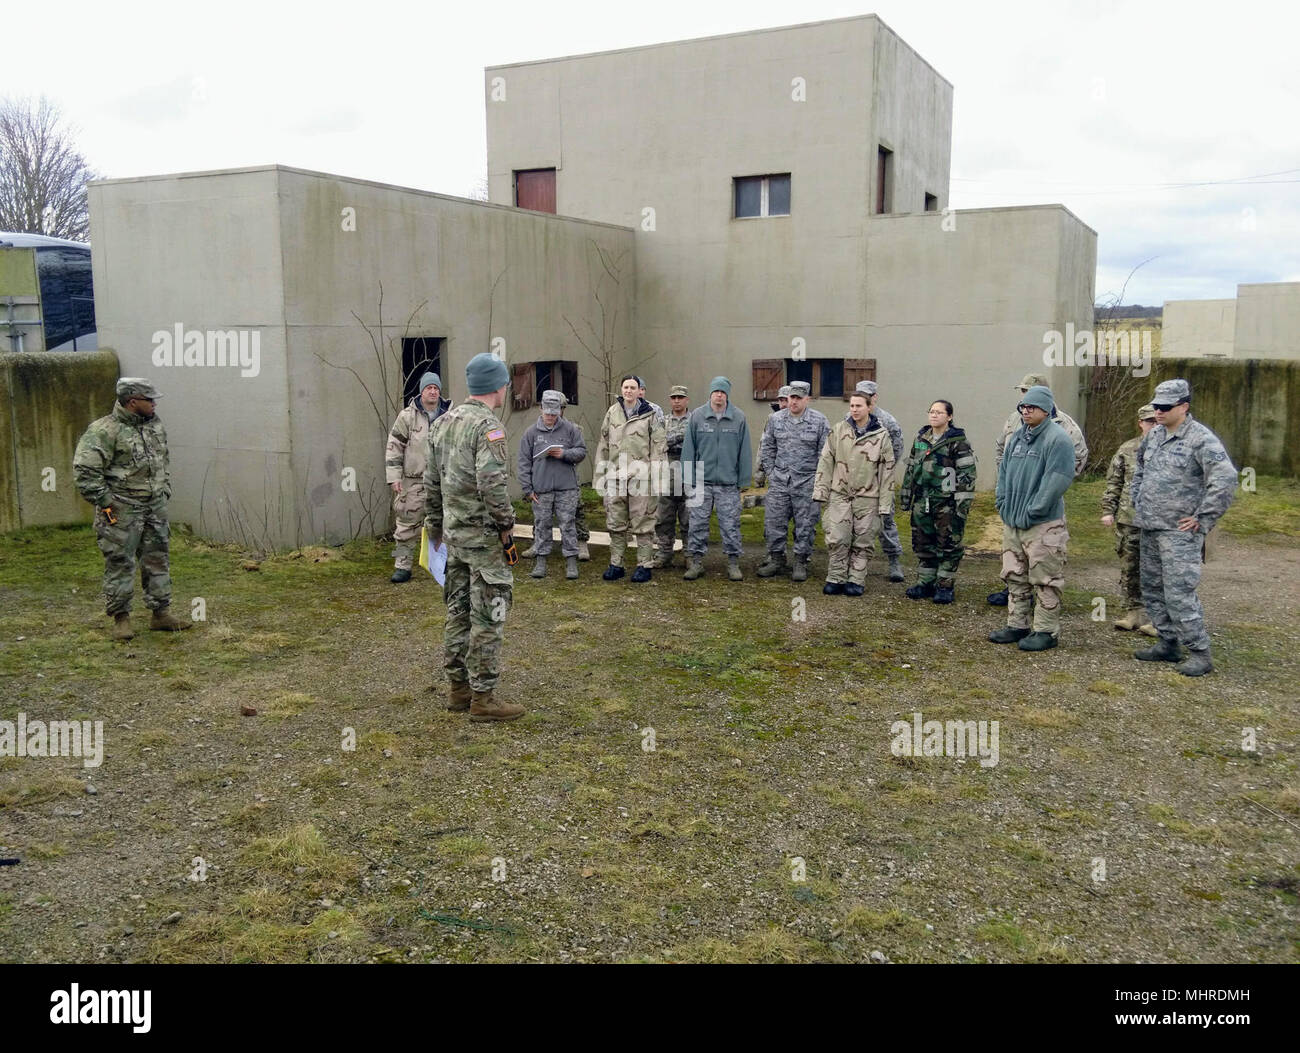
[292, 451]
[1197, 328]
[46, 402]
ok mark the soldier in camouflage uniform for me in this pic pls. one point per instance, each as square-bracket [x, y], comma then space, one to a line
[405, 459]
[716, 459]
[1117, 511]
[782, 402]
[579, 517]
[890, 544]
[629, 460]
[999, 599]
[549, 454]
[673, 513]
[938, 487]
[1183, 483]
[1032, 480]
[854, 476]
[791, 443]
[467, 504]
[121, 467]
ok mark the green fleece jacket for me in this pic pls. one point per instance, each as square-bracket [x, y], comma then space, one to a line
[1037, 468]
[719, 446]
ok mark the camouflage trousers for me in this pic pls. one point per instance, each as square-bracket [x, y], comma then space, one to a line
[1171, 570]
[408, 506]
[1033, 566]
[782, 504]
[937, 532]
[478, 594]
[1128, 543]
[561, 506]
[140, 535]
[851, 526]
[725, 500]
[890, 543]
[634, 513]
[674, 516]
[579, 519]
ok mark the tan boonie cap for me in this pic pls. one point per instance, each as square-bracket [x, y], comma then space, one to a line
[137, 386]
[1147, 412]
[678, 389]
[1033, 380]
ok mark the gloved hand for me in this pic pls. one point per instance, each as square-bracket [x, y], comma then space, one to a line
[760, 477]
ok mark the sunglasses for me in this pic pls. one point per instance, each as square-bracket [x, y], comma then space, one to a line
[1161, 407]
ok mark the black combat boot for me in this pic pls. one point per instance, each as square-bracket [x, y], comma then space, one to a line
[1165, 649]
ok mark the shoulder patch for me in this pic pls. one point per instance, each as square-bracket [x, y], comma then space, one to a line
[496, 435]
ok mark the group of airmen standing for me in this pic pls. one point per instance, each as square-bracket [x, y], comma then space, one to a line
[661, 473]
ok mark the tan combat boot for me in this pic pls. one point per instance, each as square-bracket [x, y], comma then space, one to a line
[458, 699]
[163, 621]
[1131, 620]
[122, 626]
[485, 707]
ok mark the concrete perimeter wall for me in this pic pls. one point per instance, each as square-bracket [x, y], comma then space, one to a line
[960, 314]
[1197, 328]
[46, 402]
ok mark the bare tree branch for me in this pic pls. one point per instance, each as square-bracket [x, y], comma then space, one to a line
[42, 175]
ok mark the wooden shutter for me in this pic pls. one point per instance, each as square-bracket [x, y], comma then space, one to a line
[523, 385]
[769, 375]
[535, 189]
[855, 371]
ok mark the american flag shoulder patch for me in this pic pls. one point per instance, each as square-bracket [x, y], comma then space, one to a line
[496, 435]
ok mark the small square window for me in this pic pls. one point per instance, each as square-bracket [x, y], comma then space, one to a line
[749, 197]
[931, 203]
[767, 195]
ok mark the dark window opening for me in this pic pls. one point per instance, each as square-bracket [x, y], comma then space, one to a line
[828, 378]
[767, 195]
[557, 376]
[884, 180]
[420, 355]
[529, 379]
[931, 203]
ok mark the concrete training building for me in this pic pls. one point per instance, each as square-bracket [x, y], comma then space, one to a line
[770, 206]
[1262, 322]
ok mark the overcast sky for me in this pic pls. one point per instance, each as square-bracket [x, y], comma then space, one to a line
[1171, 128]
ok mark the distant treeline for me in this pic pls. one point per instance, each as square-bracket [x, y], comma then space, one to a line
[1101, 311]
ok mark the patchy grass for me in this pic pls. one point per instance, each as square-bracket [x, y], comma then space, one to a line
[564, 837]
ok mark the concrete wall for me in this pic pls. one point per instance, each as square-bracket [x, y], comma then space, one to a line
[911, 115]
[202, 251]
[438, 257]
[1197, 328]
[1268, 321]
[46, 402]
[20, 301]
[670, 126]
[1253, 405]
[960, 314]
[293, 451]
